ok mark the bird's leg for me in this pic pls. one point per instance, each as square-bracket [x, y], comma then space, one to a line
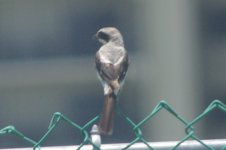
[115, 86]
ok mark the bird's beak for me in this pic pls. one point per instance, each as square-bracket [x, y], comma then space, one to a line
[94, 37]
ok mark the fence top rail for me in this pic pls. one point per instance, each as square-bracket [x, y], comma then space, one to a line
[216, 144]
[93, 137]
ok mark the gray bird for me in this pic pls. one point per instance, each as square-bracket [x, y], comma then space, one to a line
[112, 62]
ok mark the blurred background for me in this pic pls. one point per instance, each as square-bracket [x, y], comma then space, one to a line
[177, 53]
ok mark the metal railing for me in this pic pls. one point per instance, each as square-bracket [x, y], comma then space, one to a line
[218, 144]
[139, 142]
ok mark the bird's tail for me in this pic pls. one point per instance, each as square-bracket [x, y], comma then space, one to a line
[107, 116]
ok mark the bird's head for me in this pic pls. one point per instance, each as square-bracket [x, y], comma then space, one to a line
[109, 34]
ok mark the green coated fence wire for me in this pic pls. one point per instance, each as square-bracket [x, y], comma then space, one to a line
[12, 130]
[58, 117]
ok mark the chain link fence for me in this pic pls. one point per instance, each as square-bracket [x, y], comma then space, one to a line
[139, 138]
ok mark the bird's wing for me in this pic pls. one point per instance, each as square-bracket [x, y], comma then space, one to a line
[123, 67]
[107, 71]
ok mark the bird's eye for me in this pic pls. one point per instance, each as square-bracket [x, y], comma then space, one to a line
[103, 36]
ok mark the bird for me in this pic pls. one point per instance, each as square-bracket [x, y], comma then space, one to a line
[112, 62]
